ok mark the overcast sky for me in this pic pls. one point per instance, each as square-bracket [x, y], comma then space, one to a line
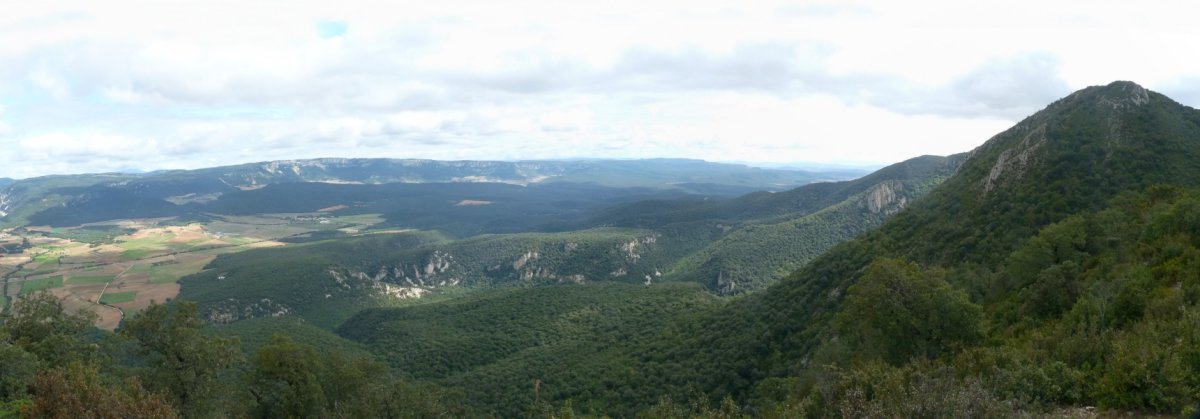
[94, 86]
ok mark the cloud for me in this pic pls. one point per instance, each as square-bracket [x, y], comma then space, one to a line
[1009, 87]
[134, 85]
[1183, 88]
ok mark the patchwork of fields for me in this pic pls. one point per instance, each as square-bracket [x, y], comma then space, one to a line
[119, 268]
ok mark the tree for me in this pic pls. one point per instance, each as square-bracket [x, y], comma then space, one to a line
[39, 325]
[77, 391]
[183, 361]
[17, 371]
[285, 381]
[898, 312]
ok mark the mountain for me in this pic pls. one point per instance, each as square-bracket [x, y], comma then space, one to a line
[70, 200]
[5, 181]
[1080, 155]
[1058, 266]
[715, 242]
[325, 282]
[775, 233]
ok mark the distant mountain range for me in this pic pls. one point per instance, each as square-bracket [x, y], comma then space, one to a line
[89, 198]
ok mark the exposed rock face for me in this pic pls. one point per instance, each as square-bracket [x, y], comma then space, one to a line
[1125, 94]
[232, 310]
[1012, 163]
[725, 284]
[886, 198]
[376, 284]
[521, 261]
[631, 247]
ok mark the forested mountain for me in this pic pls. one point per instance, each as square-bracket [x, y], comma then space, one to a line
[74, 199]
[325, 282]
[1048, 271]
[729, 246]
[773, 234]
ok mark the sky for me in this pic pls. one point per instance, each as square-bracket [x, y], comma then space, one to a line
[119, 85]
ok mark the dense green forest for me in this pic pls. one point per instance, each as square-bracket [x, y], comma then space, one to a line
[163, 363]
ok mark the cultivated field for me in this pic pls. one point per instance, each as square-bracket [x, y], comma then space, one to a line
[120, 268]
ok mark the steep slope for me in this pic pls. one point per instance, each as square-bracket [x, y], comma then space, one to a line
[1045, 270]
[779, 233]
[1073, 157]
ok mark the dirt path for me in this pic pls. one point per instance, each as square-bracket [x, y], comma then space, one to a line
[120, 313]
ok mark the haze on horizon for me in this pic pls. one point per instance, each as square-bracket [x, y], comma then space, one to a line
[147, 85]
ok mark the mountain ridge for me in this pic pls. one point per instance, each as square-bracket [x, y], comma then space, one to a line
[164, 193]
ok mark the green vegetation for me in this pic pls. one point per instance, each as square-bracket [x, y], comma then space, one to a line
[90, 279]
[747, 243]
[573, 340]
[254, 333]
[327, 282]
[92, 234]
[168, 271]
[140, 248]
[296, 279]
[33, 285]
[117, 297]
[162, 364]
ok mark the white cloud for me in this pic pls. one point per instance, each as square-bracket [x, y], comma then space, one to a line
[137, 83]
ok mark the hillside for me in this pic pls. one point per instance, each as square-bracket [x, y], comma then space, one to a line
[1073, 158]
[1048, 271]
[774, 234]
[328, 280]
[325, 282]
[569, 339]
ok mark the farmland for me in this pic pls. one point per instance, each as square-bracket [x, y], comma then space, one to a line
[119, 268]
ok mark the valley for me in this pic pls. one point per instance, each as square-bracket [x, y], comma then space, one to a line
[428, 240]
[991, 283]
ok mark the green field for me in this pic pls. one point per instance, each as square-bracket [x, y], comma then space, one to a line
[91, 234]
[169, 271]
[91, 279]
[142, 247]
[117, 297]
[34, 285]
[135, 254]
